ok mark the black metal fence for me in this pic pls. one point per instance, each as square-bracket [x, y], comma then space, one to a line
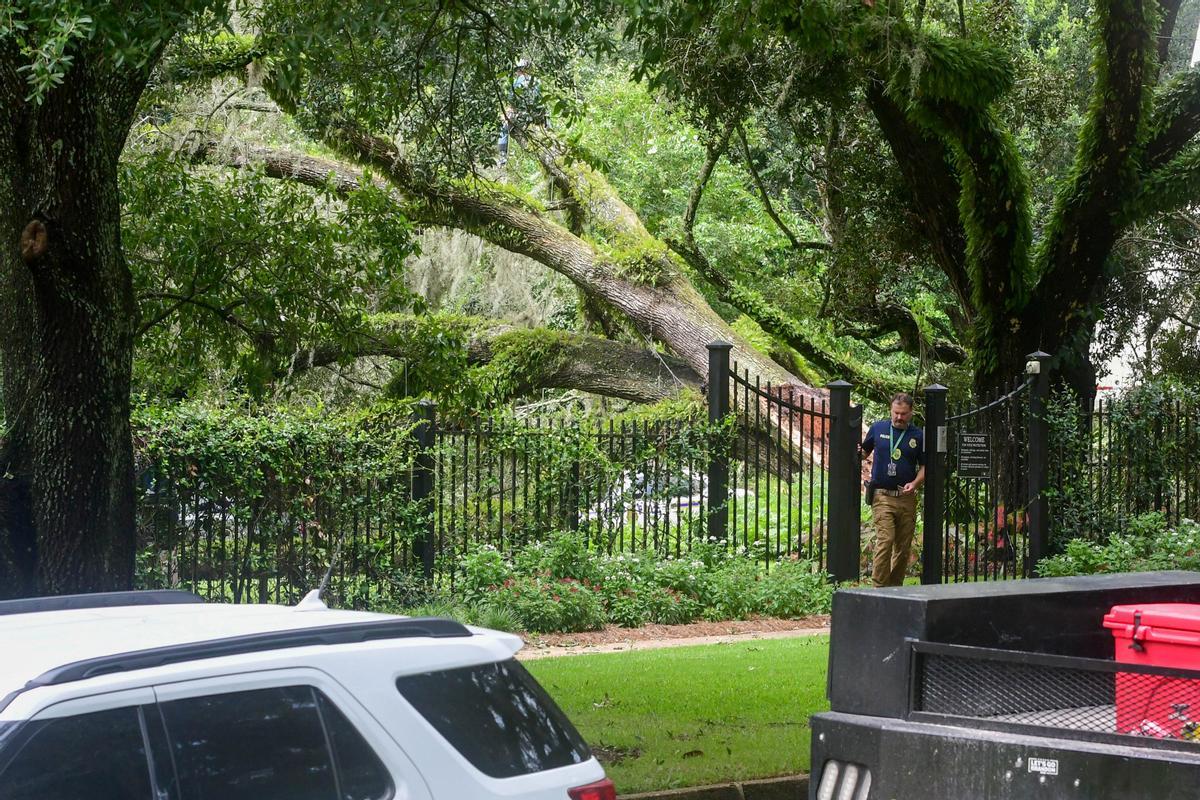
[765, 453]
[1013, 478]
[1115, 458]
[778, 488]
[276, 545]
[625, 486]
[986, 520]
[772, 471]
[985, 515]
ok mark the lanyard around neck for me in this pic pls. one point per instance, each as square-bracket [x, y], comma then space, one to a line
[896, 444]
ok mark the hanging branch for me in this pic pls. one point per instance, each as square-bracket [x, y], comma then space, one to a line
[765, 199]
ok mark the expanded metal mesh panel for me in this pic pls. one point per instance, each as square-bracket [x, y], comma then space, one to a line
[1063, 697]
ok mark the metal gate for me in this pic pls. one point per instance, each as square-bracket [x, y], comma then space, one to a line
[984, 514]
[787, 478]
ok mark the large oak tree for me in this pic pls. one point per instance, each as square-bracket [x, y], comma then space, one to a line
[938, 79]
[71, 76]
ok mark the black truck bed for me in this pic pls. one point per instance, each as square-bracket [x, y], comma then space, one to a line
[1005, 690]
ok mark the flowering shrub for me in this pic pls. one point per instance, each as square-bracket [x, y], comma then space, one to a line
[1149, 545]
[627, 610]
[669, 607]
[735, 591]
[561, 585]
[482, 569]
[543, 605]
[793, 589]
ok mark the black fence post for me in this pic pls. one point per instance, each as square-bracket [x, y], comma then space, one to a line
[574, 492]
[424, 435]
[844, 535]
[1038, 368]
[718, 458]
[935, 483]
[855, 437]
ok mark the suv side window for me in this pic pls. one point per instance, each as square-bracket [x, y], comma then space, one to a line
[497, 716]
[270, 744]
[360, 774]
[100, 756]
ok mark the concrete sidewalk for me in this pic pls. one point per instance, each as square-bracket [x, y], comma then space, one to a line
[793, 787]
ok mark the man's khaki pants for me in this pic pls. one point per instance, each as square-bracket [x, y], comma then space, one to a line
[895, 522]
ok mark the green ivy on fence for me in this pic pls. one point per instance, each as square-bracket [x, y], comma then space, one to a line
[242, 506]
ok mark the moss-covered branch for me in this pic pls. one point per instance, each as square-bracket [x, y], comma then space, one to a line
[1171, 187]
[517, 360]
[771, 319]
[935, 189]
[642, 282]
[1085, 221]
[1175, 121]
[197, 58]
[1168, 15]
[892, 318]
[994, 212]
[822, 352]
[933, 98]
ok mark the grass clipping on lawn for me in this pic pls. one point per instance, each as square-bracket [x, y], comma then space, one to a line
[689, 716]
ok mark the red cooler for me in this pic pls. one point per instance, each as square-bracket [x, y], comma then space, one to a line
[1162, 635]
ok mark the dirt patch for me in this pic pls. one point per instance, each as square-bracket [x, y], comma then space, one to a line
[608, 756]
[614, 639]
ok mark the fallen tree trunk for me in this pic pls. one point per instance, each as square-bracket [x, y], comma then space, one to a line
[620, 263]
[534, 359]
[644, 282]
[624, 266]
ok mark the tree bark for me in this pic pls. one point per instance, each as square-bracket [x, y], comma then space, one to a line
[1021, 299]
[935, 189]
[1085, 224]
[66, 495]
[564, 360]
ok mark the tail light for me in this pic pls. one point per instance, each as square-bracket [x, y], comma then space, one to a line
[600, 790]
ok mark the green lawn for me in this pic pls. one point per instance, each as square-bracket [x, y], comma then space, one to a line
[687, 716]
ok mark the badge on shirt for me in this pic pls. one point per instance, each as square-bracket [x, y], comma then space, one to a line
[892, 469]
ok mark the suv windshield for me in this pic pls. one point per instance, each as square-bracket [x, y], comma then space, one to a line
[497, 717]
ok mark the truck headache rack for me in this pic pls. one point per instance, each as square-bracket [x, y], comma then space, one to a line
[69, 602]
[1011, 690]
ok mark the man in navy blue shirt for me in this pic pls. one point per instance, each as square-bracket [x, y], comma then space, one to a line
[897, 450]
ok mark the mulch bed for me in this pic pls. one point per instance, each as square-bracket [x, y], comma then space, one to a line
[612, 634]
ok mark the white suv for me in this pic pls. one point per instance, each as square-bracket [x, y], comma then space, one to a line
[159, 696]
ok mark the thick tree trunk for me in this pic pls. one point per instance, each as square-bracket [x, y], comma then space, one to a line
[66, 498]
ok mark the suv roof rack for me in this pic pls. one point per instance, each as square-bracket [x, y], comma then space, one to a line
[67, 602]
[347, 633]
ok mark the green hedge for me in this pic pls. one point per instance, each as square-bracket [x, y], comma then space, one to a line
[1148, 546]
